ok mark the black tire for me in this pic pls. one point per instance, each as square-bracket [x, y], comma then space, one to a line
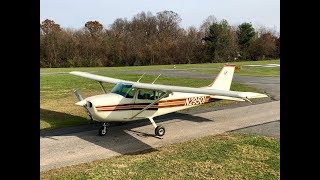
[103, 131]
[160, 131]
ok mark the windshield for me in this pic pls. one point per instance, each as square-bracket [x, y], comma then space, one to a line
[122, 89]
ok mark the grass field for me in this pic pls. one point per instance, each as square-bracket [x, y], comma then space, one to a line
[248, 71]
[57, 101]
[226, 156]
[254, 71]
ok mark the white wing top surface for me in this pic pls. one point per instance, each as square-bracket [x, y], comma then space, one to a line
[168, 88]
[98, 77]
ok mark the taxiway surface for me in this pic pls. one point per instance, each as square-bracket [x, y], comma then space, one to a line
[86, 146]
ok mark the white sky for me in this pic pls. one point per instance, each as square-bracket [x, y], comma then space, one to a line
[75, 13]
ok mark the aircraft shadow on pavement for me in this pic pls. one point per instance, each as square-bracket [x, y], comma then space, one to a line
[183, 116]
[118, 138]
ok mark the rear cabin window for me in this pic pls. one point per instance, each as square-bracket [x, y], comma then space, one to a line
[149, 94]
[146, 94]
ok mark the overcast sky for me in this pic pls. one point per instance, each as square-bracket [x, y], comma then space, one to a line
[75, 13]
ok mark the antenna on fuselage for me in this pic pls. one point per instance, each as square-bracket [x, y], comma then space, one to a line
[156, 79]
[141, 77]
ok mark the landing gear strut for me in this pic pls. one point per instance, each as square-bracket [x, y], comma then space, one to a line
[104, 129]
[159, 130]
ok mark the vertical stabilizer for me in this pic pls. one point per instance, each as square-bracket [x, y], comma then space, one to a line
[224, 78]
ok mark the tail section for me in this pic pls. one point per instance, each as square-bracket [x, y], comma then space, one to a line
[224, 78]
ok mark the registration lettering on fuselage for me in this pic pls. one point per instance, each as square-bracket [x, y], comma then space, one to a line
[195, 101]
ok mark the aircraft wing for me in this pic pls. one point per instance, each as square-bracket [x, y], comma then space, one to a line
[169, 89]
[206, 91]
[98, 77]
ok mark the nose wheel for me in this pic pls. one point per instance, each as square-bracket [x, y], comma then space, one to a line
[103, 129]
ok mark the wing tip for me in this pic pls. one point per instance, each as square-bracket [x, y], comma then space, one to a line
[78, 72]
[74, 72]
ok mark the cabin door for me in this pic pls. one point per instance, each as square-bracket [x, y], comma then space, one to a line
[143, 98]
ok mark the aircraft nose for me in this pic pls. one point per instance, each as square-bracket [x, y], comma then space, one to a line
[84, 103]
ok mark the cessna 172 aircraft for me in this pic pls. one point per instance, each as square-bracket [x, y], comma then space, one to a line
[129, 101]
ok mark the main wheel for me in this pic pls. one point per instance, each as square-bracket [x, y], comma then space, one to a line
[160, 131]
[103, 131]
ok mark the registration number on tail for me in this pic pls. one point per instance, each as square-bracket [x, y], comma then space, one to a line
[195, 101]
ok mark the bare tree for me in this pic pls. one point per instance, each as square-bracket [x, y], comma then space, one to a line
[205, 26]
[264, 46]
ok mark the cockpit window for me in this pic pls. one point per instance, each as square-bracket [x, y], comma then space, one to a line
[124, 89]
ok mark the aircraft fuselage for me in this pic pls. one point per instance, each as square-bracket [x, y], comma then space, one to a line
[115, 107]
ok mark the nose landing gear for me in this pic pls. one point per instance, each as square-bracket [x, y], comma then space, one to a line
[104, 129]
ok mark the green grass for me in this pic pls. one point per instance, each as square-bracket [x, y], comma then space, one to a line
[226, 156]
[157, 67]
[57, 101]
[247, 71]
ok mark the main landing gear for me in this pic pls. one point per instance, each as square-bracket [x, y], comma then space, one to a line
[103, 129]
[159, 130]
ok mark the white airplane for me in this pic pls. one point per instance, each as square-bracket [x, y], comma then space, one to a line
[129, 101]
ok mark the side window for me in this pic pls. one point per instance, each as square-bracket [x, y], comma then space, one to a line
[146, 94]
[158, 94]
[131, 93]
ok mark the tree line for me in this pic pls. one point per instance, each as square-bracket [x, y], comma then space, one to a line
[149, 39]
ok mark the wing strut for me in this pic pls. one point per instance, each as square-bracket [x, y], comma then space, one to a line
[141, 77]
[102, 87]
[147, 107]
[156, 79]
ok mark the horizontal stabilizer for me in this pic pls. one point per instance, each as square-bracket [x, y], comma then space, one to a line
[252, 95]
[227, 98]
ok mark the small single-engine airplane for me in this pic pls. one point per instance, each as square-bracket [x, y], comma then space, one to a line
[129, 101]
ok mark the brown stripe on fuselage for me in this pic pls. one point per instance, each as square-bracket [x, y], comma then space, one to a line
[160, 104]
[123, 105]
[172, 100]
